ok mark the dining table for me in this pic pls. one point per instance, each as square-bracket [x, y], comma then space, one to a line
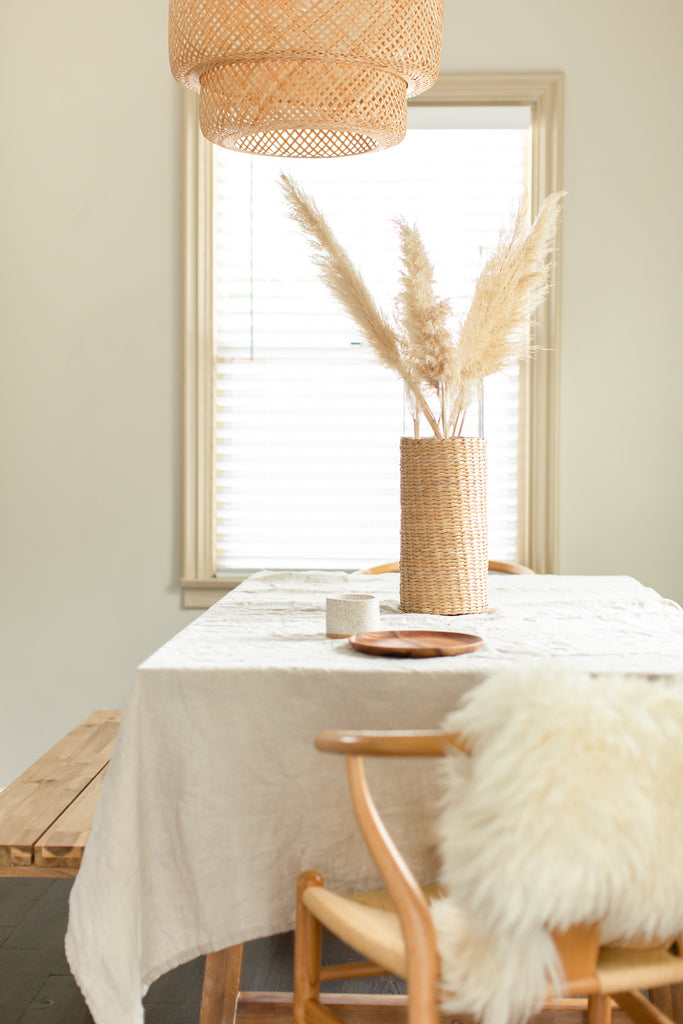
[215, 797]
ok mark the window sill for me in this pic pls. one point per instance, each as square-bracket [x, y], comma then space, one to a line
[204, 593]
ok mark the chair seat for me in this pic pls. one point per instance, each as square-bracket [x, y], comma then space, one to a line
[620, 969]
[375, 933]
[366, 922]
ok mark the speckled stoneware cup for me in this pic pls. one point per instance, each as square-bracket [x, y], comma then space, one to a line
[351, 613]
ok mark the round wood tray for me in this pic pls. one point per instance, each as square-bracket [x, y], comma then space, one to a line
[415, 643]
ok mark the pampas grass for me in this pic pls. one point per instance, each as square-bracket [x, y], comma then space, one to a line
[442, 371]
[348, 288]
[511, 285]
[428, 353]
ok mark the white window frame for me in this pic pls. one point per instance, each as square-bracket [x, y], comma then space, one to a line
[543, 93]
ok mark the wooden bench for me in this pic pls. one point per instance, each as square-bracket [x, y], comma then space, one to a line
[46, 814]
[45, 820]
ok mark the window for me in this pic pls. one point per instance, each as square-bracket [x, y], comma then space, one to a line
[291, 439]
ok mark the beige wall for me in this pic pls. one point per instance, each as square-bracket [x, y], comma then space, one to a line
[90, 374]
[90, 324]
[621, 484]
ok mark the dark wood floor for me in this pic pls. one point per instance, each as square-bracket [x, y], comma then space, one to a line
[36, 986]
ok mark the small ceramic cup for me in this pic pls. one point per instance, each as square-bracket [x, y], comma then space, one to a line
[351, 613]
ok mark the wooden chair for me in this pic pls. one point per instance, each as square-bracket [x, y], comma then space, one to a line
[402, 941]
[513, 568]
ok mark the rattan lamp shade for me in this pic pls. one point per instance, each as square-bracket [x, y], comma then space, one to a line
[306, 78]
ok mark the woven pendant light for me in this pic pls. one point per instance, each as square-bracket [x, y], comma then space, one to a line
[306, 78]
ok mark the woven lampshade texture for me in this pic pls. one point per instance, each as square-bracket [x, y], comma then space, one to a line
[444, 533]
[306, 78]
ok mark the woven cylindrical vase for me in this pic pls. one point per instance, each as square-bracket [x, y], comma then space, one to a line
[444, 550]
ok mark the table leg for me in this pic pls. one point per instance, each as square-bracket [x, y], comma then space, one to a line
[669, 999]
[677, 1003]
[662, 998]
[221, 986]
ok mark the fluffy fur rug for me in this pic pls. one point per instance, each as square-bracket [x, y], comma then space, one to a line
[570, 810]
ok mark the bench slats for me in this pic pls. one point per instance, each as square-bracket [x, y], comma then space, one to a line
[32, 806]
[63, 843]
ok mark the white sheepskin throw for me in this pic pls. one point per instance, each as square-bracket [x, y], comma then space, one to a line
[570, 810]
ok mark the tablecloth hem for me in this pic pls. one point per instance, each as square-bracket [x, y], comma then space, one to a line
[100, 1013]
[192, 952]
[104, 1015]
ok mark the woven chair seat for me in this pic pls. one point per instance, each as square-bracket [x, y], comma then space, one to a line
[366, 922]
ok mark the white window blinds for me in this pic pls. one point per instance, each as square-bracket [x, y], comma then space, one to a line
[307, 425]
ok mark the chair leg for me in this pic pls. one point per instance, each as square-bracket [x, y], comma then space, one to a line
[307, 950]
[423, 1006]
[221, 986]
[599, 1009]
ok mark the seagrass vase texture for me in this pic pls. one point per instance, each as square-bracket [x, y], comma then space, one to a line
[305, 78]
[444, 549]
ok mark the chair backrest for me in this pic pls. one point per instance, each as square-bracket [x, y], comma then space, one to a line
[513, 568]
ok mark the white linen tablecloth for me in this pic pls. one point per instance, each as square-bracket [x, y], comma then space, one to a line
[215, 798]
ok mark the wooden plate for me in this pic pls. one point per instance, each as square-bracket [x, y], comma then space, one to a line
[415, 643]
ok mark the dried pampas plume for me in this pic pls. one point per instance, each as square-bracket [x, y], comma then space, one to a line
[511, 285]
[423, 352]
[348, 288]
[429, 351]
[341, 276]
